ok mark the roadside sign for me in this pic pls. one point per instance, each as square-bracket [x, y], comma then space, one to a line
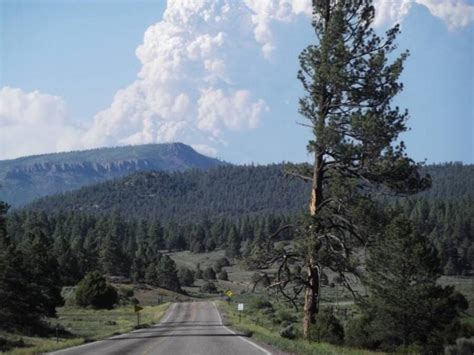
[138, 309]
[229, 292]
[240, 307]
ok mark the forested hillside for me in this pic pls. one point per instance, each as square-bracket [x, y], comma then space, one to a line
[27, 178]
[178, 201]
[227, 191]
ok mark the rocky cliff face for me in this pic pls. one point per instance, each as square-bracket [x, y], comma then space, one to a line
[85, 167]
[24, 179]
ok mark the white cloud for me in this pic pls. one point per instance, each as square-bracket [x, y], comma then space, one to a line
[391, 12]
[205, 149]
[267, 11]
[185, 90]
[189, 87]
[455, 13]
[237, 111]
[34, 123]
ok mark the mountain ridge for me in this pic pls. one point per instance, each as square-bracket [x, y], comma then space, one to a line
[26, 178]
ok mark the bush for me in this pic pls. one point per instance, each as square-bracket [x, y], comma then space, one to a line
[127, 292]
[198, 273]
[186, 277]
[208, 287]
[209, 274]
[263, 303]
[286, 316]
[327, 328]
[260, 279]
[463, 347]
[288, 332]
[223, 276]
[94, 291]
[220, 263]
[358, 333]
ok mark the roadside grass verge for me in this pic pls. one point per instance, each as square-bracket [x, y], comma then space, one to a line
[262, 332]
[86, 325]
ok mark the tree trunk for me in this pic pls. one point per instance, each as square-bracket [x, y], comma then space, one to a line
[311, 298]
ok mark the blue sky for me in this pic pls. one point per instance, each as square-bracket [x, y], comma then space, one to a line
[215, 74]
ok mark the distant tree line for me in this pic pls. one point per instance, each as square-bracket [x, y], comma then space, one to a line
[230, 192]
[81, 243]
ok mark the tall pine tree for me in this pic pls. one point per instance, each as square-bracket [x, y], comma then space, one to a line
[349, 83]
[406, 305]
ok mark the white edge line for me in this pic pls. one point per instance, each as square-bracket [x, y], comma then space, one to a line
[241, 337]
[65, 350]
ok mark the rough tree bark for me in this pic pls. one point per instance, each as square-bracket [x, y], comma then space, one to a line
[311, 298]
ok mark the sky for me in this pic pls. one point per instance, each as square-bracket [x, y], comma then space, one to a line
[219, 75]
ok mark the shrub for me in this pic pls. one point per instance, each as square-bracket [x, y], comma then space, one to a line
[358, 333]
[126, 292]
[463, 346]
[220, 263]
[260, 279]
[209, 274]
[261, 303]
[286, 316]
[288, 332]
[198, 273]
[94, 291]
[327, 328]
[208, 287]
[223, 276]
[186, 277]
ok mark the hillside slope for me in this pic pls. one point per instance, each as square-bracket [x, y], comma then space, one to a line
[227, 191]
[27, 178]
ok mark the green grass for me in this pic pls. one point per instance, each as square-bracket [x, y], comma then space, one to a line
[87, 325]
[239, 277]
[263, 333]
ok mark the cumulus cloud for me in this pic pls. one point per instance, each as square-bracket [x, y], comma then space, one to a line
[185, 90]
[188, 88]
[191, 86]
[264, 12]
[33, 123]
[205, 149]
[455, 13]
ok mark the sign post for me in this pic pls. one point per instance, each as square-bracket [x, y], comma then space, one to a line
[240, 308]
[137, 311]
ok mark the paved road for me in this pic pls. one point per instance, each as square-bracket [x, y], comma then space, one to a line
[187, 328]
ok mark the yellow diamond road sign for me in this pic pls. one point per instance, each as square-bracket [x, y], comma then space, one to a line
[138, 309]
[229, 293]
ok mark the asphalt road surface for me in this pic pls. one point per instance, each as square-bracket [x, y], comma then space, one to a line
[187, 328]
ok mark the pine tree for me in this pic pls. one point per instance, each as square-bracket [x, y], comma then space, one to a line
[233, 244]
[13, 290]
[111, 259]
[44, 280]
[94, 291]
[157, 236]
[68, 265]
[406, 305]
[186, 276]
[167, 275]
[349, 84]
[209, 273]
